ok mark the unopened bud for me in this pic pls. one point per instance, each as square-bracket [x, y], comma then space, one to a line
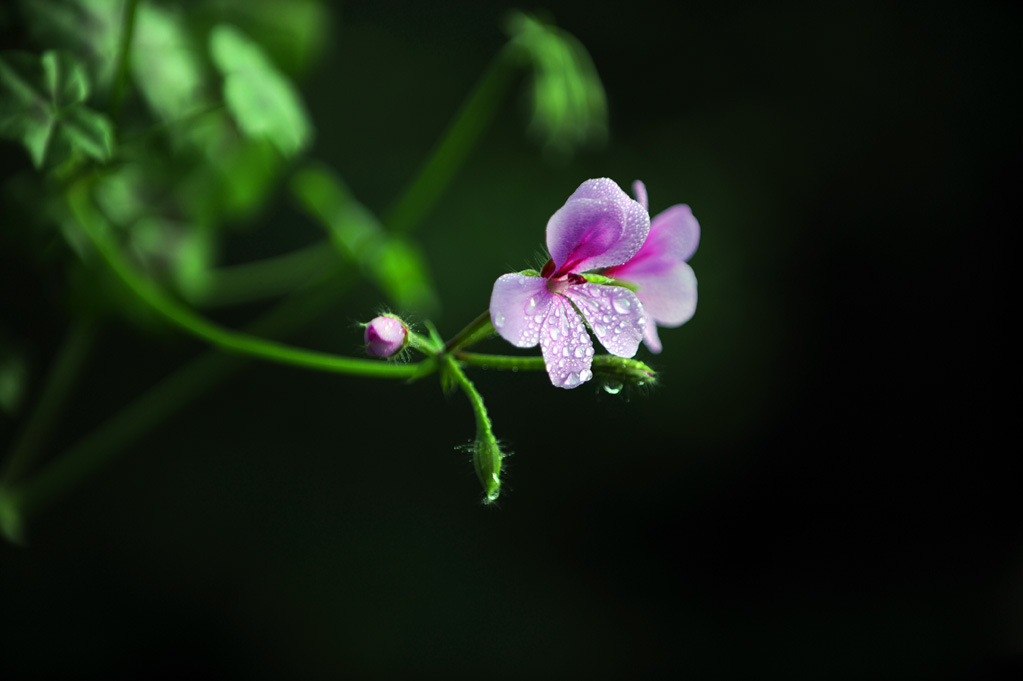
[386, 336]
[486, 457]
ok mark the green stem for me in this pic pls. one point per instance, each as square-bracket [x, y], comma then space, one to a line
[507, 362]
[459, 139]
[608, 367]
[61, 377]
[270, 277]
[123, 58]
[156, 405]
[487, 454]
[231, 341]
[477, 330]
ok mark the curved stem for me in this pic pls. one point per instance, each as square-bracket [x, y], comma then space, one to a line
[231, 341]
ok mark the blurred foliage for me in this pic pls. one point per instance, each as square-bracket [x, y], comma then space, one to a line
[569, 107]
[41, 106]
[162, 125]
[261, 99]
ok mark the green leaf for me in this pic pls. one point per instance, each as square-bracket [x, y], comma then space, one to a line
[396, 266]
[164, 63]
[41, 106]
[261, 99]
[569, 104]
[88, 29]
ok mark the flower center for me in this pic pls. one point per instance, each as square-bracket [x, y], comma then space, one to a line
[561, 283]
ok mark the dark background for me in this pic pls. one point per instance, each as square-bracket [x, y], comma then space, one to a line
[813, 491]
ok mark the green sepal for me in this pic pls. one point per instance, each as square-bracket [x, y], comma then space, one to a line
[620, 371]
[530, 273]
[609, 281]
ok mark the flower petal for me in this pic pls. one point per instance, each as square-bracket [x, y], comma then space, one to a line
[518, 306]
[614, 313]
[566, 346]
[668, 293]
[667, 285]
[599, 226]
[650, 337]
[639, 189]
[676, 231]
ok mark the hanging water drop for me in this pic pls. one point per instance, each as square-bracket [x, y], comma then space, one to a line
[612, 387]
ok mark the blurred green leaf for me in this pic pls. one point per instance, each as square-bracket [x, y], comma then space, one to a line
[88, 29]
[569, 104]
[164, 63]
[293, 33]
[262, 100]
[41, 107]
[395, 265]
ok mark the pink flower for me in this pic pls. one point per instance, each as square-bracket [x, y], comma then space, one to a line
[598, 227]
[664, 282]
[385, 336]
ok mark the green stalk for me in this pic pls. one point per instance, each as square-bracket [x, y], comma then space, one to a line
[270, 277]
[231, 341]
[459, 139]
[486, 452]
[477, 330]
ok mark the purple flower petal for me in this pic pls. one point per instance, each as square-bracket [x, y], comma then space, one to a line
[599, 226]
[639, 189]
[650, 337]
[614, 313]
[668, 293]
[667, 285]
[566, 345]
[518, 306]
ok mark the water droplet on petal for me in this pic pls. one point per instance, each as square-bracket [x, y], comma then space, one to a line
[622, 305]
[498, 320]
[531, 305]
[564, 351]
[599, 329]
[585, 375]
[572, 380]
[554, 333]
[613, 388]
[579, 351]
[537, 318]
[589, 352]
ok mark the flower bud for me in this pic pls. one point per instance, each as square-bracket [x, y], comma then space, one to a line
[486, 457]
[386, 336]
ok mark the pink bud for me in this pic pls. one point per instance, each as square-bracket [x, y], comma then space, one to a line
[385, 336]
